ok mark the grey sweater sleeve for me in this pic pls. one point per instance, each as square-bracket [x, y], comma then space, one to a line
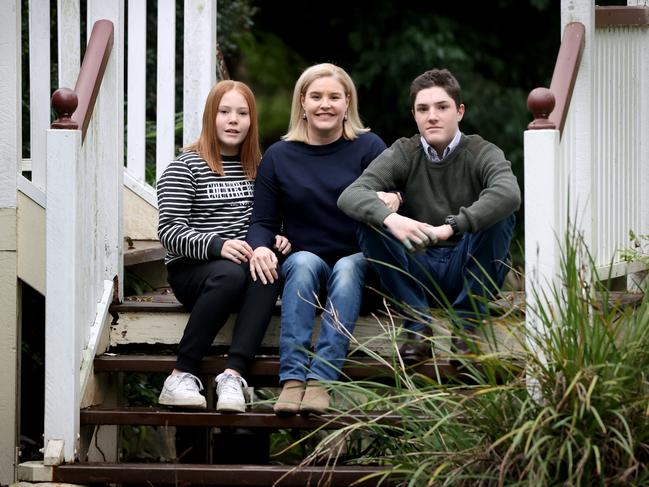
[501, 194]
[360, 200]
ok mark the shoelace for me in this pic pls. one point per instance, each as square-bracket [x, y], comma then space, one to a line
[186, 376]
[231, 383]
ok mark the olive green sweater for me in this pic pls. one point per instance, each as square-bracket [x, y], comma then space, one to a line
[474, 183]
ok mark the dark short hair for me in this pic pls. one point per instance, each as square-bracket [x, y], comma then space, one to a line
[436, 77]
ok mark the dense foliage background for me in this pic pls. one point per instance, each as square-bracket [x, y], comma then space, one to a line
[384, 44]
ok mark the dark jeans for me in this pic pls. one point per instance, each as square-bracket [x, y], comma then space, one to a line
[461, 277]
[212, 290]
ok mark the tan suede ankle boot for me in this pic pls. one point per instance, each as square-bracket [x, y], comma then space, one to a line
[315, 400]
[290, 398]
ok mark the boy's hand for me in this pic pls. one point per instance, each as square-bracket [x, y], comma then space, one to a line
[391, 200]
[414, 234]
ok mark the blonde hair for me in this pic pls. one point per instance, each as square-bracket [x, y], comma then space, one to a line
[297, 127]
[208, 145]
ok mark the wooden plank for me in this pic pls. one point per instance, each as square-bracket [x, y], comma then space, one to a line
[199, 63]
[62, 309]
[621, 16]
[30, 231]
[167, 328]
[264, 371]
[10, 159]
[39, 86]
[108, 124]
[143, 251]
[69, 41]
[214, 475]
[10, 102]
[136, 89]
[263, 418]
[166, 92]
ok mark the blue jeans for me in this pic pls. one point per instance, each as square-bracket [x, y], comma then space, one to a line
[461, 278]
[306, 277]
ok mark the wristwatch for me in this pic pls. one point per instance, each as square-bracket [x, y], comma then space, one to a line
[450, 220]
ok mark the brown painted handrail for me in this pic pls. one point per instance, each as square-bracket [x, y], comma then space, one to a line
[557, 101]
[563, 82]
[550, 107]
[621, 16]
[85, 91]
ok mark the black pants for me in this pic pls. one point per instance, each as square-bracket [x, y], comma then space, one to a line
[212, 290]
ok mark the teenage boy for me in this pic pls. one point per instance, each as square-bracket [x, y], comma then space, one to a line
[437, 213]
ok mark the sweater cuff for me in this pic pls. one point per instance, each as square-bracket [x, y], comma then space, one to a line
[463, 223]
[379, 215]
[214, 248]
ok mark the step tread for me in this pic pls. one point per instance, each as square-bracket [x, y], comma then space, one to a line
[255, 418]
[215, 475]
[141, 251]
[163, 300]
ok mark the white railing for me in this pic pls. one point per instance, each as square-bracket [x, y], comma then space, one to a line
[620, 132]
[83, 231]
[79, 178]
[595, 172]
[199, 75]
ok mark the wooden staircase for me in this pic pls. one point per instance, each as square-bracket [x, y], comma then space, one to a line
[220, 449]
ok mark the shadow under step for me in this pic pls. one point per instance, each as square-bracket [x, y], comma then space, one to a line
[214, 475]
[255, 418]
[265, 371]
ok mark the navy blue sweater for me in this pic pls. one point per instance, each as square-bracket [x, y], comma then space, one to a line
[296, 191]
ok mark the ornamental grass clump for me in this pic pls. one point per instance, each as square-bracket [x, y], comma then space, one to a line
[569, 408]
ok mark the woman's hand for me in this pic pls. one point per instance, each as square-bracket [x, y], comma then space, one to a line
[391, 200]
[263, 265]
[236, 250]
[282, 244]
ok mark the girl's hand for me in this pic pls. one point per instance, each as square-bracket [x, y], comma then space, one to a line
[391, 200]
[282, 244]
[263, 265]
[236, 250]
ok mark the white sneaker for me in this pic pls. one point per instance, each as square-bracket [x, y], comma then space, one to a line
[182, 390]
[230, 389]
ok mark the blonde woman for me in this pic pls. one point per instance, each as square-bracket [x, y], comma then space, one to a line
[299, 180]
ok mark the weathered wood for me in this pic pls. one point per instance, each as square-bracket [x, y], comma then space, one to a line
[255, 418]
[143, 251]
[108, 153]
[10, 158]
[136, 89]
[63, 310]
[69, 41]
[566, 71]
[31, 257]
[166, 91]
[39, 87]
[199, 63]
[621, 16]
[214, 475]
[140, 210]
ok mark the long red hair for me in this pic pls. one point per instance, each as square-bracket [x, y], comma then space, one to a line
[208, 145]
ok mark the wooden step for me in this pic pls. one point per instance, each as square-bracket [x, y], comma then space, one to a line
[263, 418]
[142, 251]
[214, 475]
[264, 371]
